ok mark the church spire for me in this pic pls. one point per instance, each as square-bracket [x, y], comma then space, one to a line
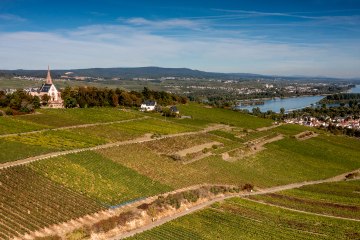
[48, 78]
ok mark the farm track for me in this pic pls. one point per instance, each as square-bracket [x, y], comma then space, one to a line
[74, 126]
[145, 138]
[268, 128]
[66, 227]
[302, 211]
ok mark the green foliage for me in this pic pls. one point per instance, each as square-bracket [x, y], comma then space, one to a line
[98, 177]
[19, 102]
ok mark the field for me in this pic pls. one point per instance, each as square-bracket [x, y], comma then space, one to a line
[29, 201]
[282, 162]
[242, 219]
[203, 115]
[340, 199]
[68, 186]
[10, 125]
[76, 116]
[52, 141]
[98, 177]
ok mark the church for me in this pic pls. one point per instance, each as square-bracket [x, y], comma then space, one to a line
[49, 89]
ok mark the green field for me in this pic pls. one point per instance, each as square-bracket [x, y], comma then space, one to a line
[241, 219]
[76, 116]
[98, 177]
[29, 201]
[10, 125]
[337, 199]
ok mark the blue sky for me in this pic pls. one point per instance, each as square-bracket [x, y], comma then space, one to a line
[319, 37]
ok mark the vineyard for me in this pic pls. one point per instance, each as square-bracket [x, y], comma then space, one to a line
[11, 125]
[98, 177]
[337, 199]
[76, 116]
[60, 188]
[29, 201]
[241, 219]
[171, 145]
[282, 162]
[218, 115]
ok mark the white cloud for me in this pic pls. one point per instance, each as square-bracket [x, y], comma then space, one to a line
[11, 17]
[125, 46]
[163, 24]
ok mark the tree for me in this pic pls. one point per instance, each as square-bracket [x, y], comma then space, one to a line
[282, 111]
[70, 102]
[45, 99]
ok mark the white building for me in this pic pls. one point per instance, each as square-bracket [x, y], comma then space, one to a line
[148, 105]
[49, 89]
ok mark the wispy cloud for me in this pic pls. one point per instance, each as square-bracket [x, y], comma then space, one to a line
[163, 23]
[11, 17]
[119, 45]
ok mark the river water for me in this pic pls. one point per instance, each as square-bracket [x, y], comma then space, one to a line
[287, 103]
[356, 89]
[291, 103]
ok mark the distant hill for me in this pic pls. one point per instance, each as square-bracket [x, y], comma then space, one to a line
[139, 72]
[155, 72]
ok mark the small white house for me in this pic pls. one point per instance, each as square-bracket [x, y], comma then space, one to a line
[148, 105]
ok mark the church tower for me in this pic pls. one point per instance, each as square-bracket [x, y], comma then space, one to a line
[48, 77]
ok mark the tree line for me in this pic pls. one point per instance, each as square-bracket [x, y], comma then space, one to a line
[102, 97]
[342, 98]
[19, 102]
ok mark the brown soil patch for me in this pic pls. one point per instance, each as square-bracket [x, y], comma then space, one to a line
[306, 135]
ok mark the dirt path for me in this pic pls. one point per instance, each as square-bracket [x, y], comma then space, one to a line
[72, 127]
[301, 211]
[207, 204]
[145, 138]
[268, 128]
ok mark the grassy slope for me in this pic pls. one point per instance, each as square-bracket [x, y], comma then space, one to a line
[202, 115]
[10, 125]
[337, 199]
[241, 219]
[98, 177]
[76, 116]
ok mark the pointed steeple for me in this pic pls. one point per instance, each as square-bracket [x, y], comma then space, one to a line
[48, 78]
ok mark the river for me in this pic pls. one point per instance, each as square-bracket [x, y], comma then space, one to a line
[356, 89]
[291, 103]
[287, 103]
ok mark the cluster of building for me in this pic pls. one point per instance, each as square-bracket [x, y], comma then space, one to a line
[344, 122]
